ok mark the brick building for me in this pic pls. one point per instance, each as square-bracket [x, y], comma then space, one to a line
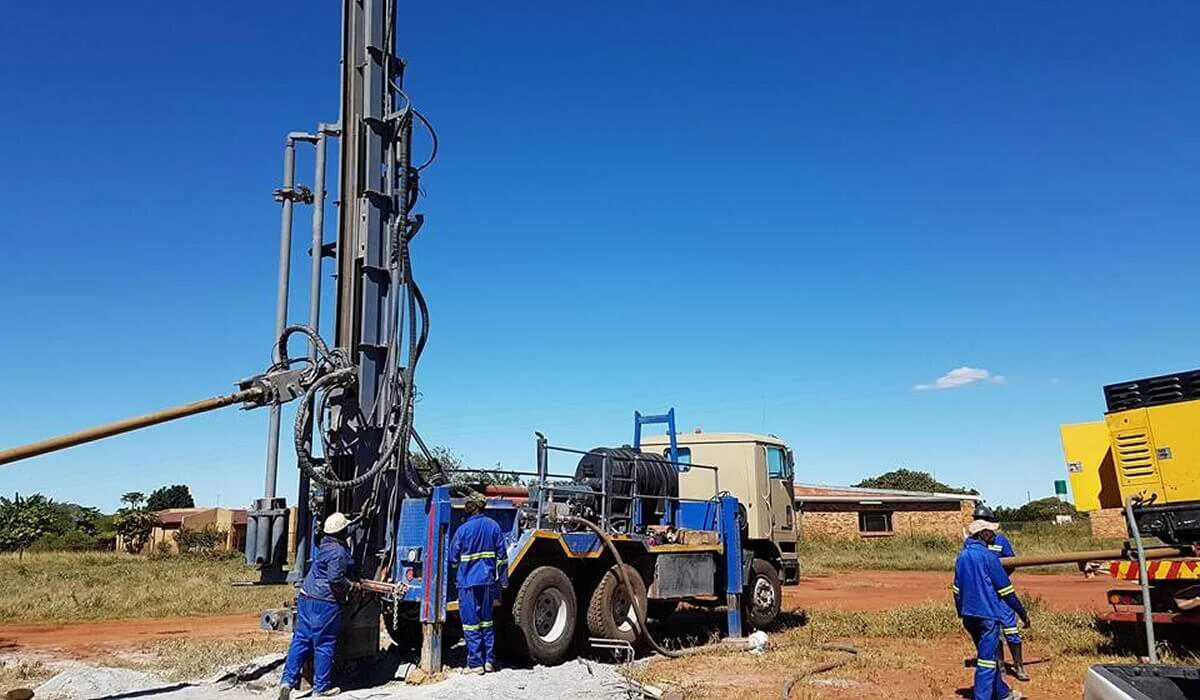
[231, 522]
[849, 512]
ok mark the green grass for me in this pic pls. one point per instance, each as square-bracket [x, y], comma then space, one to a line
[933, 553]
[63, 586]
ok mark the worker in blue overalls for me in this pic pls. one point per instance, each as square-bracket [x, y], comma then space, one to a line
[984, 599]
[1001, 547]
[319, 611]
[479, 552]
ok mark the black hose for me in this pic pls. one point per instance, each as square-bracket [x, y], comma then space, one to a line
[624, 577]
[850, 650]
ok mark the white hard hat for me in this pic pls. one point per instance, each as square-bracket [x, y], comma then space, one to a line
[978, 526]
[335, 524]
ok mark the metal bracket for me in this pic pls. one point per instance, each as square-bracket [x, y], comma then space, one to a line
[299, 193]
[275, 387]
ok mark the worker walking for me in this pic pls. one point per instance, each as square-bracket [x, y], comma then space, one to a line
[479, 551]
[319, 611]
[985, 599]
[1001, 547]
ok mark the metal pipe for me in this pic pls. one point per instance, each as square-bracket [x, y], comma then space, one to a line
[286, 195]
[303, 513]
[1093, 555]
[1144, 579]
[126, 425]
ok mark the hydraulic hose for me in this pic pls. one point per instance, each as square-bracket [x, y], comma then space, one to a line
[638, 613]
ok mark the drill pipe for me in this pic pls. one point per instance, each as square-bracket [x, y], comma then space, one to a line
[126, 425]
[1162, 552]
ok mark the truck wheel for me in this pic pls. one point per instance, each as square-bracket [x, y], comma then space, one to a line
[762, 596]
[610, 612]
[661, 609]
[544, 612]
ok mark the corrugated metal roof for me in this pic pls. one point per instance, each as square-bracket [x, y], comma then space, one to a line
[814, 492]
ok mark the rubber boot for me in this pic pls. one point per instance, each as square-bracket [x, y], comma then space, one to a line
[1018, 667]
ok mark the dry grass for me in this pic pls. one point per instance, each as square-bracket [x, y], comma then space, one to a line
[192, 659]
[932, 553]
[920, 643]
[23, 673]
[62, 586]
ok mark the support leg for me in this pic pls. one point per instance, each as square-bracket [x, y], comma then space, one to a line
[431, 647]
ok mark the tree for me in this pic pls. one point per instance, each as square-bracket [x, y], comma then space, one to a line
[1037, 510]
[451, 462]
[910, 480]
[71, 517]
[175, 496]
[134, 522]
[24, 520]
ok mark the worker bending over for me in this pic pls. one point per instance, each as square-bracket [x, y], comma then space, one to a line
[479, 552]
[319, 611]
[1001, 547]
[985, 599]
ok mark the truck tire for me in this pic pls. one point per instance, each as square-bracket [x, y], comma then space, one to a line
[610, 613]
[762, 596]
[544, 614]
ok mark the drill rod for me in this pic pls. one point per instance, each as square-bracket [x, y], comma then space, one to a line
[126, 425]
[1158, 552]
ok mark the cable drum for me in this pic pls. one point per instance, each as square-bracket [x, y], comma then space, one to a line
[655, 477]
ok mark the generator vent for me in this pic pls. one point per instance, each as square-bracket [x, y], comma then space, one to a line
[1133, 454]
[1154, 391]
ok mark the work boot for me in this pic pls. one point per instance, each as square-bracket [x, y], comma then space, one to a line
[1015, 695]
[488, 667]
[1018, 665]
[328, 693]
[285, 692]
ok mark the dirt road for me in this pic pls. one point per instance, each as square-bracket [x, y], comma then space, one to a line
[879, 590]
[84, 640]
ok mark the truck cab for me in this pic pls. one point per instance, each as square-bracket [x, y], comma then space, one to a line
[758, 471]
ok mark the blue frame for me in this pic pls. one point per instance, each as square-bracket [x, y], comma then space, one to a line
[669, 418]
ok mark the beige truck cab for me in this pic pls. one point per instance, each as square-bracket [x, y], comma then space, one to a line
[758, 471]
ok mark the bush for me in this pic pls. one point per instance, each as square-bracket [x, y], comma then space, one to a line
[70, 541]
[200, 541]
[162, 550]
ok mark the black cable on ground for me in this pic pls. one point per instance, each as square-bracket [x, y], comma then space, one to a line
[850, 651]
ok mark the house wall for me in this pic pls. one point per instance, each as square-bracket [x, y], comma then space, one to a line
[840, 520]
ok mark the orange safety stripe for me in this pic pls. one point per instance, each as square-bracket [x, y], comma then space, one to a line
[1161, 570]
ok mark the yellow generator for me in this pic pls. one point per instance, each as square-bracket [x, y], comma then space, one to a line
[1147, 447]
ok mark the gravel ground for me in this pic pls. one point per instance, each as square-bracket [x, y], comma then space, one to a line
[575, 679]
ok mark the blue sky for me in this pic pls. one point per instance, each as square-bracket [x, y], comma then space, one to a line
[782, 219]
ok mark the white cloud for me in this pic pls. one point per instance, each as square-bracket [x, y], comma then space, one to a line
[961, 377]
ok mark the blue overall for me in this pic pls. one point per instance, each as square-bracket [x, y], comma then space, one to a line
[318, 615]
[984, 598]
[479, 552]
[1001, 547]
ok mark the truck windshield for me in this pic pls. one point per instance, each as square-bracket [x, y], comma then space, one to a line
[777, 463]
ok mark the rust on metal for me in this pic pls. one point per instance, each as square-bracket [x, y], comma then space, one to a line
[126, 425]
